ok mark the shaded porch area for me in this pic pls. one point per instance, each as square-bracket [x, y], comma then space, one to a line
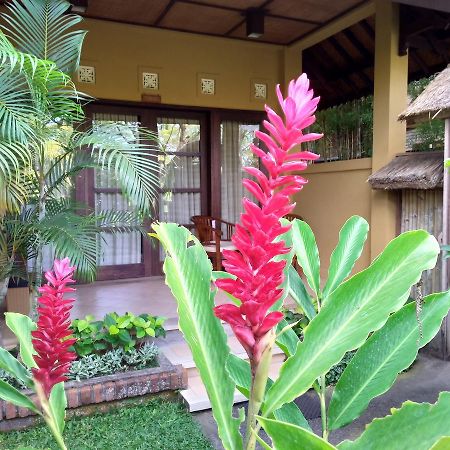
[135, 295]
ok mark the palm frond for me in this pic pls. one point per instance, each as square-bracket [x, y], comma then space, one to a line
[132, 160]
[41, 28]
[120, 221]
[16, 108]
[73, 236]
[64, 167]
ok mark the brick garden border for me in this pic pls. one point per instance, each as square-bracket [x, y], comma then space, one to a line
[92, 395]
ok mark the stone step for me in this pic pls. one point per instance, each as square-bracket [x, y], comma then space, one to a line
[196, 397]
[177, 351]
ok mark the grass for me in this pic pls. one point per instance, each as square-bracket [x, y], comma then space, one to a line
[154, 425]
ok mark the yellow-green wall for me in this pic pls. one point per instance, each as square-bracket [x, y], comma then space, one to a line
[335, 192]
[119, 52]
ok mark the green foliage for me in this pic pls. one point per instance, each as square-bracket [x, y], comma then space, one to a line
[351, 241]
[22, 326]
[383, 356]
[363, 311]
[156, 425]
[114, 361]
[415, 426]
[43, 147]
[347, 130]
[301, 322]
[114, 331]
[188, 274]
[288, 436]
[350, 314]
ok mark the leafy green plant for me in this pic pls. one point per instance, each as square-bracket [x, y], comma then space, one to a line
[115, 331]
[113, 361]
[44, 146]
[367, 304]
[365, 312]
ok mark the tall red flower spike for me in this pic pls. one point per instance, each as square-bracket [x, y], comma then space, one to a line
[258, 276]
[50, 339]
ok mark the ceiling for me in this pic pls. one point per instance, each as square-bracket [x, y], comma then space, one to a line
[285, 20]
[341, 67]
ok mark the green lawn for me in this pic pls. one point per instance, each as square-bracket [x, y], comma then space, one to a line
[155, 425]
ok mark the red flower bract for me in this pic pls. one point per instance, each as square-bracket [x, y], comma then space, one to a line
[258, 275]
[50, 339]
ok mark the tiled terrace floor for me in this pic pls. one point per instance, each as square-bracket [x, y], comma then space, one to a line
[138, 295]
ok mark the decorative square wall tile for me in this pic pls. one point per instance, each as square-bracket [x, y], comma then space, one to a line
[86, 74]
[260, 90]
[208, 86]
[150, 80]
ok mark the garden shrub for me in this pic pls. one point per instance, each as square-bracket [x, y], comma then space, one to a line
[113, 361]
[115, 331]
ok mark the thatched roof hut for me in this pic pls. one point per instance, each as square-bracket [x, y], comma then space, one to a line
[411, 171]
[433, 102]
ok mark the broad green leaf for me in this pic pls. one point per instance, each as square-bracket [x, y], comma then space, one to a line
[288, 340]
[58, 405]
[305, 248]
[11, 365]
[386, 353]
[13, 395]
[415, 426]
[299, 293]
[188, 274]
[351, 243]
[442, 444]
[286, 436]
[113, 330]
[239, 371]
[357, 307]
[22, 326]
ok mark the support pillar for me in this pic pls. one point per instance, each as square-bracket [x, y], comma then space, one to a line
[389, 135]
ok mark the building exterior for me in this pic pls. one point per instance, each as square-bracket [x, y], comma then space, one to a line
[188, 71]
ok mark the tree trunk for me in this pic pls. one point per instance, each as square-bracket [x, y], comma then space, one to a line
[3, 290]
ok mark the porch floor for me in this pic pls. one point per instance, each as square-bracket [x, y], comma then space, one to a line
[136, 295]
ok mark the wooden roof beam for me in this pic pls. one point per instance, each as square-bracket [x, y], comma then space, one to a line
[333, 41]
[438, 5]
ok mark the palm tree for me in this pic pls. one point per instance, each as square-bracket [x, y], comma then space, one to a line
[44, 144]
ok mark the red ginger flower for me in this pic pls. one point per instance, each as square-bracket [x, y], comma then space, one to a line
[50, 339]
[258, 276]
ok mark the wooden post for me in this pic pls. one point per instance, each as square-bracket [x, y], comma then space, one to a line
[445, 239]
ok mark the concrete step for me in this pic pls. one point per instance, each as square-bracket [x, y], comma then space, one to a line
[195, 397]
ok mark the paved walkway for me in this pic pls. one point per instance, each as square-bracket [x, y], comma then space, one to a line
[422, 383]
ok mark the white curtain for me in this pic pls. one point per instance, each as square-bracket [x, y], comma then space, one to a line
[117, 248]
[236, 138]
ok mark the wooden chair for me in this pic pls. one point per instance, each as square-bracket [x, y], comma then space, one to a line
[215, 236]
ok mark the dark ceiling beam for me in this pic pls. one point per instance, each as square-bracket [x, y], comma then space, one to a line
[419, 61]
[327, 22]
[438, 46]
[416, 24]
[164, 12]
[348, 33]
[315, 71]
[368, 30]
[337, 73]
[241, 22]
[349, 60]
[438, 5]
[243, 11]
